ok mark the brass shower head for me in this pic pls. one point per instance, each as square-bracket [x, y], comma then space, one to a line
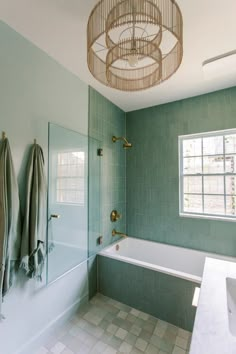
[126, 144]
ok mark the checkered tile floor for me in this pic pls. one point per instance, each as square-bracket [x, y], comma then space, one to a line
[109, 327]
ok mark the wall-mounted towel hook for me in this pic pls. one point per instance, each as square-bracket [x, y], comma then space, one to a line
[3, 135]
[35, 141]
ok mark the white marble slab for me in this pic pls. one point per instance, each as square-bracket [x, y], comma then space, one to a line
[211, 333]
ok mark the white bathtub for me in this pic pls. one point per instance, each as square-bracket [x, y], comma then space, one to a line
[176, 261]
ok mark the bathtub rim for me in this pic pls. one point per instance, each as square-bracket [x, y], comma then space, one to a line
[168, 271]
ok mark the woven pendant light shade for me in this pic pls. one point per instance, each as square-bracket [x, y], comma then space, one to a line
[134, 44]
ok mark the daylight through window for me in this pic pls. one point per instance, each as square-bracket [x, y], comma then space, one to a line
[70, 184]
[207, 165]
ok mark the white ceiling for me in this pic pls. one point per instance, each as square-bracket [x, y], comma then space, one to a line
[59, 28]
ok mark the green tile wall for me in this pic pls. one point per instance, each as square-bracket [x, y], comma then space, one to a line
[107, 174]
[164, 296]
[92, 276]
[94, 195]
[152, 172]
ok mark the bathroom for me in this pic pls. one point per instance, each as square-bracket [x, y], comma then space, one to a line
[101, 303]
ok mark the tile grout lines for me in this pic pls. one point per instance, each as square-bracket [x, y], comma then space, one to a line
[106, 326]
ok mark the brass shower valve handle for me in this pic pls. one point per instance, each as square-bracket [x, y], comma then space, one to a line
[115, 216]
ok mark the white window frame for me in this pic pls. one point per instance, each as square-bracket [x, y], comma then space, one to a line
[203, 215]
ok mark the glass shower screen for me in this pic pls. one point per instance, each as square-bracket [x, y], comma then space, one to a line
[67, 201]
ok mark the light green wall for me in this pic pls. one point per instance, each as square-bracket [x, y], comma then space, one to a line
[35, 90]
[152, 172]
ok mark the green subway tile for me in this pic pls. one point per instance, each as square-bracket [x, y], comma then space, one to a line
[166, 297]
[152, 171]
[107, 174]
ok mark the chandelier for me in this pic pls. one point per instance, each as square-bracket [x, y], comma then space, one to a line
[134, 44]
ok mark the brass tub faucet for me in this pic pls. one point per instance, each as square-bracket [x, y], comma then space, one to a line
[114, 233]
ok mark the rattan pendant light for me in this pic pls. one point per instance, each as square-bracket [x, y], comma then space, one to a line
[134, 44]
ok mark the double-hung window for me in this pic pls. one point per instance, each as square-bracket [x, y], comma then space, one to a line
[70, 177]
[207, 175]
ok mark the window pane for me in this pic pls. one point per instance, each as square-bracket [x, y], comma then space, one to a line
[213, 145]
[209, 174]
[76, 170]
[62, 159]
[62, 170]
[192, 165]
[230, 185]
[70, 183]
[213, 164]
[231, 205]
[73, 197]
[192, 147]
[230, 144]
[230, 163]
[214, 204]
[70, 171]
[192, 184]
[214, 185]
[193, 203]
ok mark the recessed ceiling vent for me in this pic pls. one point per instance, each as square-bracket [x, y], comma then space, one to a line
[221, 66]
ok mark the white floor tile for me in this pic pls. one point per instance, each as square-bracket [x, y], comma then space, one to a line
[92, 331]
[58, 348]
[135, 312]
[112, 328]
[121, 333]
[141, 344]
[125, 348]
[42, 350]
[183, 334]
[178, 350]
[181, 342]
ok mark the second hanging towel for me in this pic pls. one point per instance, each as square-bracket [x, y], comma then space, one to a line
[33, 248]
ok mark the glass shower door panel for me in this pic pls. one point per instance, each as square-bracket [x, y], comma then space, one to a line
[67, 200]
[94, 197]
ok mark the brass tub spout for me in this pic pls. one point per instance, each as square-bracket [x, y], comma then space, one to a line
[114, 233]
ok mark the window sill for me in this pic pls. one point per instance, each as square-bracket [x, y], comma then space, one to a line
[207, 217]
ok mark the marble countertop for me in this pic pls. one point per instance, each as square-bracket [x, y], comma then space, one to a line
[211, 333]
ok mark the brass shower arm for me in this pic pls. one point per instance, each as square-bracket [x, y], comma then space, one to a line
[126, 144]
[114, 139]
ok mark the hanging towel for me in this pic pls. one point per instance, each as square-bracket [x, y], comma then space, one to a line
[35, 218]
[10, 225]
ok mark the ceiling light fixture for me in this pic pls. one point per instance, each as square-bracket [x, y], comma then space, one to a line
[134, 44]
